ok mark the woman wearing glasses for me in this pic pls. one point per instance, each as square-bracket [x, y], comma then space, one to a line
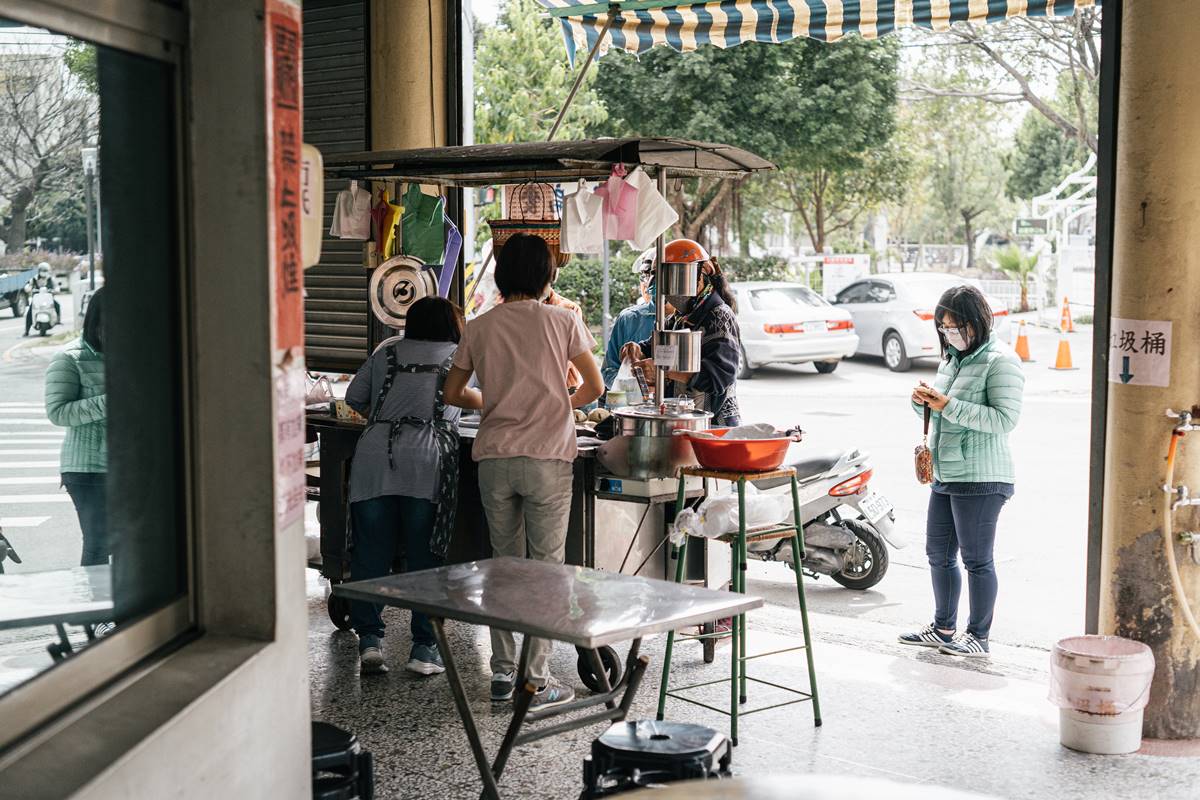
[976, 402]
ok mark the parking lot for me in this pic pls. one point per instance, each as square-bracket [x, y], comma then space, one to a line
[1041, 546]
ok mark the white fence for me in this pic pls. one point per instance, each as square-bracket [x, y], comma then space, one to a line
[1009, 293]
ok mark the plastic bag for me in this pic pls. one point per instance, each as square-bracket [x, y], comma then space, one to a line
[627, 383]
[718, 515]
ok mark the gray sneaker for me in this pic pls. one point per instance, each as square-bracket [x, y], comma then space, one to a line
[371, 661]
[552, 694]
[502, 686]
[425, 660]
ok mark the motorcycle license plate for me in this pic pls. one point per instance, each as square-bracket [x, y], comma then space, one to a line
[875, 507]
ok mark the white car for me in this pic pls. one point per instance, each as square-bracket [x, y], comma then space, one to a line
[894, 314]
[788, 323]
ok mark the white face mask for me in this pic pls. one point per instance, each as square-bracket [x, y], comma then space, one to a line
[956, 339]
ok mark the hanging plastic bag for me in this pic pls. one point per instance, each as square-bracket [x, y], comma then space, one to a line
[654, 214]
[626, 382]
[718, 515]
[422, 230]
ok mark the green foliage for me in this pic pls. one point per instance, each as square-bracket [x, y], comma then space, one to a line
[1018, 266]
[1041, 158]
[766, 268]
[522, 79]
[581, 280]
[80, 58]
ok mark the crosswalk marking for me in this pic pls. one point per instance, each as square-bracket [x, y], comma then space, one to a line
[31, 499]
[21, 522]
[24, 421]
[30, 480]
[38, 442]
[40, 434]
[4, 453]
[28, 464]
[11, 405]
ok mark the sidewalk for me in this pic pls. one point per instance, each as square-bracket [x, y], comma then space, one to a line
[889, 711]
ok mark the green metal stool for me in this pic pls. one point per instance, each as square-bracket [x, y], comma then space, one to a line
[738, 677]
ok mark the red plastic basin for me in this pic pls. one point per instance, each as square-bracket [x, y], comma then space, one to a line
[739, 455]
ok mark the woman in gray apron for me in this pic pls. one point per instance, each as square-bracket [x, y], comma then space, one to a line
[404, 476]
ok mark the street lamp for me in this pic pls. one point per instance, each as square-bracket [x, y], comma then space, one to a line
[89, 176]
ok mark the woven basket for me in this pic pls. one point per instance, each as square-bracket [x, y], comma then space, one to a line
[547, 231]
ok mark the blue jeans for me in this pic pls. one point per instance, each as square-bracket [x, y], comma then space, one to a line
[88, 491]
[383, 526]
[965, 523]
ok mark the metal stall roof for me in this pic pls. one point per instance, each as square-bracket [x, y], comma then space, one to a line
[548, 162]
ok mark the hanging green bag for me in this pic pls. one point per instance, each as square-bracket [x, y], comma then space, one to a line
[422, 232]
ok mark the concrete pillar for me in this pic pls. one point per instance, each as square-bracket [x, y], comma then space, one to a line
[1156, 276]
[408, 74]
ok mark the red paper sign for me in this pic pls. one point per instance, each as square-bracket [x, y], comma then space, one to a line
[286, 127]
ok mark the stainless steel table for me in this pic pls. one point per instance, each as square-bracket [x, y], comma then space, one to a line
[583, 607]
[77, 596]
[806, 787]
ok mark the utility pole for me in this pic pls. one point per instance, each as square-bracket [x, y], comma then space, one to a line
[89, 177]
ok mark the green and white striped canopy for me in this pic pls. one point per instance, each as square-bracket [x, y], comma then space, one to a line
[643, 24]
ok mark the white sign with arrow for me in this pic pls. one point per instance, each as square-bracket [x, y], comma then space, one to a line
[1139, 352]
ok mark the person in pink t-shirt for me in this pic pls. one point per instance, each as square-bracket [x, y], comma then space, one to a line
[525, 447]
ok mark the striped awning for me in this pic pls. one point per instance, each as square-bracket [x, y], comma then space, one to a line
[643, 24]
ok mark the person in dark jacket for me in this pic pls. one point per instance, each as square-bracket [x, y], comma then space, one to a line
[712, 311]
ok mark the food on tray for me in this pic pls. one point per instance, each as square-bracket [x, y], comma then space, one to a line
[599, 415]
[580, 416]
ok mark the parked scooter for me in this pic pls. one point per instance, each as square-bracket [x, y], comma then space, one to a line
[847, 526]
[45, 314]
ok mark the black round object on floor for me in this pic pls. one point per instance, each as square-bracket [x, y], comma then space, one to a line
[636, 755]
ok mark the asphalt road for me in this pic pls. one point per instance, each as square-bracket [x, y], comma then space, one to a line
[36, 514]
[1041, 543]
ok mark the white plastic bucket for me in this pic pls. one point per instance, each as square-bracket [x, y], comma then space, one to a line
[1101, 684]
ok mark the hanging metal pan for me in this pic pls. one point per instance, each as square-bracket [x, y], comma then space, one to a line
[398, 283]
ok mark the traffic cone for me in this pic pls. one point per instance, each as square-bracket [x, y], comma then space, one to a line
[1067, 324]
[1022, 346]
[1063, 360]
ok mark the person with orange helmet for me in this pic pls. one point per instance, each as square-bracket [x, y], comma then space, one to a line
[711, 309]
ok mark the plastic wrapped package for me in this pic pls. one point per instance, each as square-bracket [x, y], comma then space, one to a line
[718, 515]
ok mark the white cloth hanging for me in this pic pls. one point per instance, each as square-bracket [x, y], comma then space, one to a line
[583, 222]
[654, 213]
[352, 214]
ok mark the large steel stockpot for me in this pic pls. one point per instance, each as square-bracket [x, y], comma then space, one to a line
[653, 449]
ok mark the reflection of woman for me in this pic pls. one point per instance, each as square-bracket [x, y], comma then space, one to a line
[976, 402]
[75, 400]
[404, 476]
[711, 310]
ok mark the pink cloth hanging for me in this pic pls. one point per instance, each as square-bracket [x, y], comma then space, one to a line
[620, 205]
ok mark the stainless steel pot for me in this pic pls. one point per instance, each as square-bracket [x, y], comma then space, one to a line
[653, 449]
[678, 279]
[687, 349]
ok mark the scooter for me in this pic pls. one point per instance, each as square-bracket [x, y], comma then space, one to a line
[45, 316]
[847, 526]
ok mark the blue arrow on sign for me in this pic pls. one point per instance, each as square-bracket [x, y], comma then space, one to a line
[1126, 375]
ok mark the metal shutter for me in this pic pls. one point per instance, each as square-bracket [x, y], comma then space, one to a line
[336, 120]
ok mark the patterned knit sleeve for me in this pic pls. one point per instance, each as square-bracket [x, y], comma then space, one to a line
[1005, 384]
[718, 354]
[63, 388]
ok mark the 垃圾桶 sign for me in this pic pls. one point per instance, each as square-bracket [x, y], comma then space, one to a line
[1139, 352]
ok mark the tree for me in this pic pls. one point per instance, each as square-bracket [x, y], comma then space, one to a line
[824, 113]
[1019, 267]
[967, 173]
[522, 78]
[1027, 50]
[1041, 157]
[46, 116]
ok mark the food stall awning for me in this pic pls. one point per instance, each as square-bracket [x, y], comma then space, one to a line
[643, 24]
[543, 162]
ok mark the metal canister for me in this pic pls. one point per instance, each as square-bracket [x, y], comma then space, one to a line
[687, 349]
[678, 280]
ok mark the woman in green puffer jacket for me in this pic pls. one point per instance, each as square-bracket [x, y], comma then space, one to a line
[75, 400]
[976, 402]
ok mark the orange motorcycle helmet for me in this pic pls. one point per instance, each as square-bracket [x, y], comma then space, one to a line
[684, 251]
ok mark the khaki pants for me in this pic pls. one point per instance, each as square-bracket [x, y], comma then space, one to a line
[528, 506]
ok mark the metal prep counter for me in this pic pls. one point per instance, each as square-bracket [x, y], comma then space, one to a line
[612, 522]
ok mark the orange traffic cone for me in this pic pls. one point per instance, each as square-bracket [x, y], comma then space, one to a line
[1067, 325]
[1063, 360]
[1022, 346]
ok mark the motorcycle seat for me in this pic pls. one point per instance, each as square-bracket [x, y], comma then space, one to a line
[805, 468]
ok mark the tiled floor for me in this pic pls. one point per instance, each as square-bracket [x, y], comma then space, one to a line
[889, 712]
